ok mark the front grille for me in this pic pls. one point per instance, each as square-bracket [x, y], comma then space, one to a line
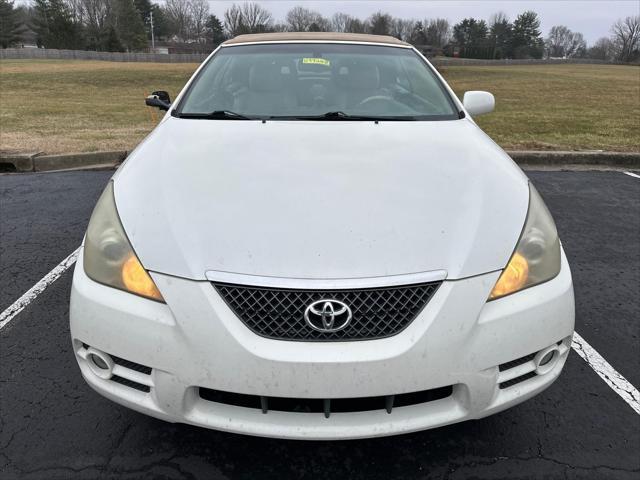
[279, 313]
[326, 406]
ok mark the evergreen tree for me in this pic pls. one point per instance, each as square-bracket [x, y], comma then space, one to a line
[214, 30]
[110, 41]
[143, 7]
[470, 32]
[128, 25]
[55, 27]
[527, 41]
[40, 23]
[380, 23]
[418, 35]
[501, 37]
[161, 27]
[471, 36]
[10, 27]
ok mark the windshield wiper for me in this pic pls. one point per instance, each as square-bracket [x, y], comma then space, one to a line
[339, 115]
[216, 115]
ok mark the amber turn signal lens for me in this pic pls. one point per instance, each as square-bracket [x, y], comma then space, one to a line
[512, 278]
[137, 280]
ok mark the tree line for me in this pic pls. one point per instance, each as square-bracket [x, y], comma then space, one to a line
[127, 25]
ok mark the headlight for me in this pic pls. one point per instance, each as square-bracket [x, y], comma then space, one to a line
[537, 255]
[108, 256]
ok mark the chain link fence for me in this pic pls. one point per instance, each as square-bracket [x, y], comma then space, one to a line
[54, 54]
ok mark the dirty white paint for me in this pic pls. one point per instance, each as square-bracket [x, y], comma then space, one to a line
[610, 375]
[16, 307]
[613, 378]
[631, 174]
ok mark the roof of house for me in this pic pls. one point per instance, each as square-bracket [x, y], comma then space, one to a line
[314, 36]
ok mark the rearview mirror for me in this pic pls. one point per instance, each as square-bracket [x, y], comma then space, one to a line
[477, 102]
[159, 99]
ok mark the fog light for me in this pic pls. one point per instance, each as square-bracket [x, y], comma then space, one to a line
[547, 358]
[100, 363]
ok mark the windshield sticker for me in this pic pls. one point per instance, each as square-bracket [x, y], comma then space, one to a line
[317, 61]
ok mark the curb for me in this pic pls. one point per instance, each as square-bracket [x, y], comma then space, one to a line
[21, 162]
[45, 163]
[588, 158]
[38, 162]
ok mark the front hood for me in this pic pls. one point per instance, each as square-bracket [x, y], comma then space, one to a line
[321, 200]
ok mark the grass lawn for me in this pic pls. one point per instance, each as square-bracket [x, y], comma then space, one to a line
[558, 107]
[74, 106]
[60, 106]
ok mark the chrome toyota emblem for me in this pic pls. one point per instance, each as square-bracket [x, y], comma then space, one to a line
[327, 315]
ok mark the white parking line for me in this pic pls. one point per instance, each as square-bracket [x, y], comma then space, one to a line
[16, 307]
[610, 375]
[631, 174]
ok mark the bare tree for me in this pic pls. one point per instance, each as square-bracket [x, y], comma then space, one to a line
[77, 10]
[300, 19]
[626, 37]
[437, 32]
[401, 28]
[95, 14]
[247, 18]
[357, 26]
[577, 47]
[256, 18]
[603, 49]
[234, 21]
[343, 22]
[321, 24]
[555, 42]
[562, 42]
[179, 15]
[199, 13]
[279, 27]
[340, 22]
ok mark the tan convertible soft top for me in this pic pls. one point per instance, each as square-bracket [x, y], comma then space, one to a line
[317, 36]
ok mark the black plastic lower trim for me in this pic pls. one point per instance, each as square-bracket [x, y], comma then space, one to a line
[320, 405]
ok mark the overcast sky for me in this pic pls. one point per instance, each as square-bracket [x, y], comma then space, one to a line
[591, 17]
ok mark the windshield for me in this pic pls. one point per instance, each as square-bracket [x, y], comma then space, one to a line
[306, 81]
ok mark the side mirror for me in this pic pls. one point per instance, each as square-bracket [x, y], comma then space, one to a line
[159, 99]
[477, 102]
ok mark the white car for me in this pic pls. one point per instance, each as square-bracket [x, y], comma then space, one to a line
[318, 242]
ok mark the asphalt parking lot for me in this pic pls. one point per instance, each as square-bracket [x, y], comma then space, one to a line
[54, 426]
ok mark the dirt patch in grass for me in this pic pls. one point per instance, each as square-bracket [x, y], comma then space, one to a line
[75, 106]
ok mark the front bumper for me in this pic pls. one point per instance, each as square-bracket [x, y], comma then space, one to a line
[482, 350]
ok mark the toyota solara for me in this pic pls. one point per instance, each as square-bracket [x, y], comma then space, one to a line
[318, 242]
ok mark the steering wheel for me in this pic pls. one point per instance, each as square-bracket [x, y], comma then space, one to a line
[376, 98]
